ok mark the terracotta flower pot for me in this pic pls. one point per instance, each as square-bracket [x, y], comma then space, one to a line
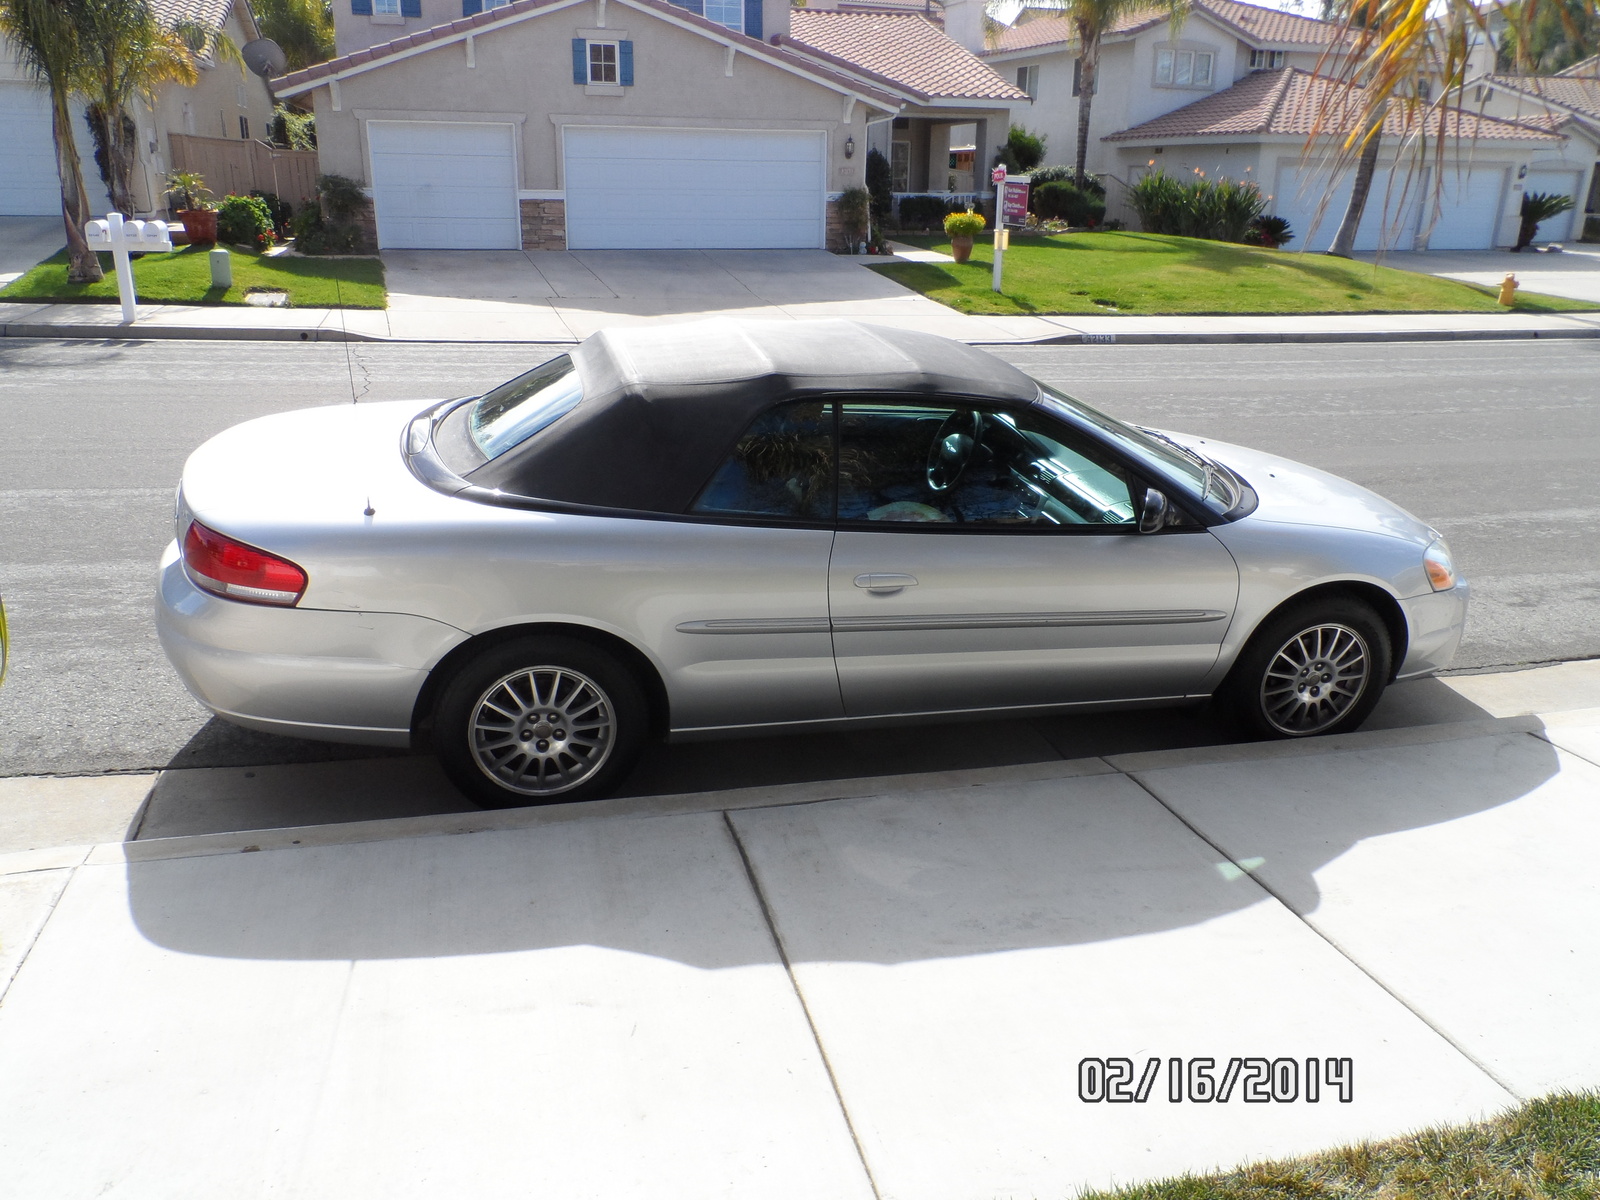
[200, 224]
[961, 248]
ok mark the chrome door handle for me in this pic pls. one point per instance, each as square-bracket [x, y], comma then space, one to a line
[885, 583]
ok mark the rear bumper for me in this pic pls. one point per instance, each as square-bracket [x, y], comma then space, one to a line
[312, 673]
[1437, 620]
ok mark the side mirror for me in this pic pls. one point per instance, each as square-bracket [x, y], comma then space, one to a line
[1153, 514]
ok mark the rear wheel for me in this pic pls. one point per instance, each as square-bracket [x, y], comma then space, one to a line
[538, 721]
[1317, 668]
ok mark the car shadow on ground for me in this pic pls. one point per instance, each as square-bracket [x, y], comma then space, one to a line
[936, 872]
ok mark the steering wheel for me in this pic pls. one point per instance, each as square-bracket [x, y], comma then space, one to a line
[953, 449]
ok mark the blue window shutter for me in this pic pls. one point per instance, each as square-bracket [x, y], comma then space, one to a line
[580, 61]
[468, 7]
[410, 8]
[625, 63]
[752, 19]
[361, 8]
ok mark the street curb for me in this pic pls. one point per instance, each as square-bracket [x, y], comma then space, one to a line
[736, 799]
[199, 333]
[220, 333]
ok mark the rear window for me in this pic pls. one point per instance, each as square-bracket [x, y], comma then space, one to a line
[515, 411]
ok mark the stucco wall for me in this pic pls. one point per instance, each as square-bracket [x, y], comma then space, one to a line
[523, 74]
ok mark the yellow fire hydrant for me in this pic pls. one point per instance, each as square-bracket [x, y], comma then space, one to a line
[1508, 290]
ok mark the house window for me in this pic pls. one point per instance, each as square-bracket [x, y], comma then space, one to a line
[244, 128]
[386, 8]
[603, 62]
[900, 166]
[1028, 80]
[1077, 79]
[727, 13]
[1266, 60]
[1183, 68]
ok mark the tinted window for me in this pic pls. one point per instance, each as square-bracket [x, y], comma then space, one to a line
[954, 464]
[515, 411]
[781, 468]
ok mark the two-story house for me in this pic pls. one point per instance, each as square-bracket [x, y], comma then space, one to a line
[1235, 90]
[591, 124]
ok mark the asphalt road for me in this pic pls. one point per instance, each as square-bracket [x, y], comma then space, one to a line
[1495, 443]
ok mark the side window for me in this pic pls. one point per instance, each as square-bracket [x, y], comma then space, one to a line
[976, 467]
[782, 468]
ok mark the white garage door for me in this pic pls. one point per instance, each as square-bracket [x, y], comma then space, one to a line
[1470, 205]
[641, 189]
[444, 186]
[29, 186]
[1560, 183]
[1388, 222]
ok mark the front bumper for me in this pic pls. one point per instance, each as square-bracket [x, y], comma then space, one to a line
[312, 673]
[1436, 620]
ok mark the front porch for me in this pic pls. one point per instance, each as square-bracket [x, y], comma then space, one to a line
[941, 152]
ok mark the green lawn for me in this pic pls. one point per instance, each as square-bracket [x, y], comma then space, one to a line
[184, 277]
[1154, 273]
[1548, 1149]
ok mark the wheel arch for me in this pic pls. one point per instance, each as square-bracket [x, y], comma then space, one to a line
[631, 656]
[1379, 599]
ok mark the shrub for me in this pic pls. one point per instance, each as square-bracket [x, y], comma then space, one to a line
[295, 130]
[244, 221]
[1223, 209]
[1591, 230]
[1069, 175]
[878, 186]
[1538, 207]
[1023, 151]
[1270, 232]
[855, 206]
[924, 212]
[1064, 201]
[280, 209]
[963, 224]
[342, 197]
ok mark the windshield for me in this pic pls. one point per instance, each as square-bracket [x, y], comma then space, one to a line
[515, 411]
[1208, 481]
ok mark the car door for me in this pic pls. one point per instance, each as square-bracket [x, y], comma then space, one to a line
[739, 607]
[989, 557]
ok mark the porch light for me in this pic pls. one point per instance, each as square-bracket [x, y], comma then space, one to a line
[849, 147]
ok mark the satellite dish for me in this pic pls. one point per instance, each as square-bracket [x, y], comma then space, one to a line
[264, 57]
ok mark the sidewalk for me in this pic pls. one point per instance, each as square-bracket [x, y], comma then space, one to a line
[550, 297]
[873, 988]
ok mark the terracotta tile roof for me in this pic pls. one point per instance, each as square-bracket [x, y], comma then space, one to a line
[1264, 26]
[304, 80]
[905, 50]
[210, 13]
[1287, 101]
[1589, 68]
[1578, 93]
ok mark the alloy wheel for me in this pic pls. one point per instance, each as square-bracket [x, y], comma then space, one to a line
[1314, 679]
[541, 731]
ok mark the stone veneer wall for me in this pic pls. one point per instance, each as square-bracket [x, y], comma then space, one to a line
[834, 232]
[544, 224]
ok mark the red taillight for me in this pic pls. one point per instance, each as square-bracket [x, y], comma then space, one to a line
[228, 568]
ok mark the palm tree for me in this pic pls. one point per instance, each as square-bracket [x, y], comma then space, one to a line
[127, 53]
[45, 34]
[303, 28]
[1091, 20]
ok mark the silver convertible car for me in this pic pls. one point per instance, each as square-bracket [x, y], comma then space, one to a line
[725, 528]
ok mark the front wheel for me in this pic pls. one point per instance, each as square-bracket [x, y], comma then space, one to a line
[538, 721]
[1318, 668]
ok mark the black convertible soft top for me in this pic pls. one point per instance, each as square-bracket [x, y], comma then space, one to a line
[663, 405]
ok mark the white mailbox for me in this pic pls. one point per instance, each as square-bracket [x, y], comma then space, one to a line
[122, 237]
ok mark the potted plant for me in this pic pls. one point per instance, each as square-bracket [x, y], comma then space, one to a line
[961, 228]
[187, 193]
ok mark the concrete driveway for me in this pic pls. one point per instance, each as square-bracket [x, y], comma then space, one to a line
[516, 295]
[25, 242]
[1574, 273]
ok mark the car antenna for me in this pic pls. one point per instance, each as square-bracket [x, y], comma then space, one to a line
[369, 511]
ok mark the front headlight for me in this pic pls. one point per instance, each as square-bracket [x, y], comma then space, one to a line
[1441, 570]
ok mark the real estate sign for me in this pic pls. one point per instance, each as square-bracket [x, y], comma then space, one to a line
[1014, 201]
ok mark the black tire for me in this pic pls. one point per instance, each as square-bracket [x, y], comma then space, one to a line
[1287, 682]
[495, 739]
